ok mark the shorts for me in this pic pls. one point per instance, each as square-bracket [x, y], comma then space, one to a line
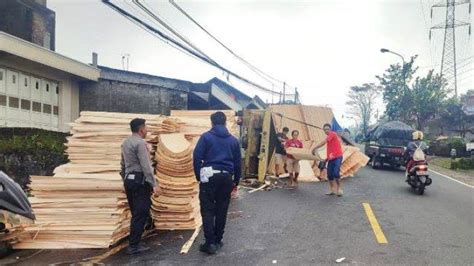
[279, 159]
[292, 165]
[334, 168]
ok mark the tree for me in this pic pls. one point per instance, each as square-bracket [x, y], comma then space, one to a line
[412, 102]
[454, 116]
[362, 102]
[396, 94]
[428, 96]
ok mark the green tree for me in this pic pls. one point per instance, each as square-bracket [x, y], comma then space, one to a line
[362, 103]
[428, 96]
[396, 94]
[454, 117]
[412, 101]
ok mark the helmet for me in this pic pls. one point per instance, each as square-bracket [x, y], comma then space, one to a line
[417, 135]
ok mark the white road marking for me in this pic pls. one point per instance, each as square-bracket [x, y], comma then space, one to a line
[452, 179]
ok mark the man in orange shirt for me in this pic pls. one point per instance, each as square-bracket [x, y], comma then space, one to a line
[334, 158]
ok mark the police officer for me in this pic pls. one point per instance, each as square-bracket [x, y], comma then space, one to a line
[217, 165]
[139, 182]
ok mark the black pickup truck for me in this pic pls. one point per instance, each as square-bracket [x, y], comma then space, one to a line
[386, 143]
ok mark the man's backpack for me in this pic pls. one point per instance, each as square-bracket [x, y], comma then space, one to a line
[418, 155]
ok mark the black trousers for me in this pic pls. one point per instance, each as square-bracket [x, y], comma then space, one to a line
[214, 198]
[139, 200]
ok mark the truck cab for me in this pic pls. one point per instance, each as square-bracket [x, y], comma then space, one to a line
[386, 144]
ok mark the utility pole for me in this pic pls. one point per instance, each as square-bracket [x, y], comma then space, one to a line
[284, 92]
[296, 95]
[448, 58]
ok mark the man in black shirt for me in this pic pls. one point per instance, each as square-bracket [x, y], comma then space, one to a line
[280, 152]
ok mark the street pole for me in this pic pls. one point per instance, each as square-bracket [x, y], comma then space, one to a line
[284, 92]
[405, 86]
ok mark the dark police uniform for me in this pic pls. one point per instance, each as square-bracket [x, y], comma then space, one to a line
[139, 181]
[220, 150]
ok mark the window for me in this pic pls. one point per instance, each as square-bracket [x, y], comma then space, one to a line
[47, 87]
[55, 110]
[3, 100]
[14, 79]
[57, 89]
[1, 75]
[37, 85]
[26, 82]
[25, 105]
[13, 102]
[37, 107]
[47, 108]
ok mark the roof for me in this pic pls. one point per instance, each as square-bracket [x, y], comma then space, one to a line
[228, 93]
[27, 50]
[142, 78]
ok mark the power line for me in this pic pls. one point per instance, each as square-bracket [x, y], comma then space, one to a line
[247, 63]
[427, 29]
[181, 47]
[170, 29]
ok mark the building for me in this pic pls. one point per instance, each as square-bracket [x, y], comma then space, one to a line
[29, 20]
[38, 87]
[43, 89]
[216, 94]
[132, 92]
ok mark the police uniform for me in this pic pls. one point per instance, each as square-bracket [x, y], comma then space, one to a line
[139, 182]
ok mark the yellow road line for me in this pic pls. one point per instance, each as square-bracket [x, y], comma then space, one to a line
[379, 235]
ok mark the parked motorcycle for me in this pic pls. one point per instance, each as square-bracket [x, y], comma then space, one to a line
[418, 178]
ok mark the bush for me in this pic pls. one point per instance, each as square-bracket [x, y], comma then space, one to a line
[443, 148]
[25, 152]
[463, 163]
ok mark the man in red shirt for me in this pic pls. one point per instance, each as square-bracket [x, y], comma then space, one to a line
[334, 158]
[293, 165]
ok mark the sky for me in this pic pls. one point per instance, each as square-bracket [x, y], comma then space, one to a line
[321, 47]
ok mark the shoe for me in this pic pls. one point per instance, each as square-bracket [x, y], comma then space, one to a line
[219, 245]
[210, 249]
[340, 193]
[330, 193]
[138, 249]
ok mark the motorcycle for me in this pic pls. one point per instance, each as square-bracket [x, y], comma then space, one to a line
[418, 178]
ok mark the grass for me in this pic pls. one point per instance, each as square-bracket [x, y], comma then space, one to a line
[445, 162]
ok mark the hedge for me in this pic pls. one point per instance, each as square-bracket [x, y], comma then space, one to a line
[25, 152]
[463, 163]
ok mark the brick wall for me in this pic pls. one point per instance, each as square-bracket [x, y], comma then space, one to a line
[119, 96]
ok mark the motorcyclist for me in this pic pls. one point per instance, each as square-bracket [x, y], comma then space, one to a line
[412, 147]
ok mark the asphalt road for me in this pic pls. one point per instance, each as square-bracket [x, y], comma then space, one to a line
[304, 226]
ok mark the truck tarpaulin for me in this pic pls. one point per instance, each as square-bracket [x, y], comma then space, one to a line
[394, 133]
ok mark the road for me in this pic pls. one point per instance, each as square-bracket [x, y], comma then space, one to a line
[304, 226]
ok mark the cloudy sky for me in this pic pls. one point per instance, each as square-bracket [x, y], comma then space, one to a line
[321, 47]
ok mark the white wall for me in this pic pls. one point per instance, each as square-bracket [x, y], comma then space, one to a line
[67, 101]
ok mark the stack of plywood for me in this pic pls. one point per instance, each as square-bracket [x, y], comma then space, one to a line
[83, 205]
[177, 206]
[198, 122]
